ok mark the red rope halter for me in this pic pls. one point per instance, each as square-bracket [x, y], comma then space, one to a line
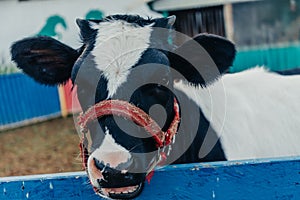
[137, 115]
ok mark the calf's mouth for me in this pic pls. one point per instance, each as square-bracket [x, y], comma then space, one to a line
[127, 192]
[122, 187]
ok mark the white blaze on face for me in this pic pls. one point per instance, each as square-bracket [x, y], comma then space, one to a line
[119, 46]
[110, 153]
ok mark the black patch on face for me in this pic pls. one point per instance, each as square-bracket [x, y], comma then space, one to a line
[87, 34]
[91, 85]
[129, 135]
[150, 83]
[154, 56]
[85, 62]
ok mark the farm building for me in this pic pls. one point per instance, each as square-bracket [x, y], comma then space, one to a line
[266, 32]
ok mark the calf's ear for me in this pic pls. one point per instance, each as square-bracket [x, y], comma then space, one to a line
[221, 50]
[203, 59]
[45, 59]
[165, 22]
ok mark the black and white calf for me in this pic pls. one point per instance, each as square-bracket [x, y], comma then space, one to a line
[137, 91]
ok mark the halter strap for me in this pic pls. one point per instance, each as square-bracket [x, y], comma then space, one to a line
[137, 115]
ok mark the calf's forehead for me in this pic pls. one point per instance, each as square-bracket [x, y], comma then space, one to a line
[117, 48]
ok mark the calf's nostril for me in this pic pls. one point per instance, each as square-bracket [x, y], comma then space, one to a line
[99, 165]
[125, 166]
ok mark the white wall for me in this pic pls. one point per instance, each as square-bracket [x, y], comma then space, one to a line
[23, 19]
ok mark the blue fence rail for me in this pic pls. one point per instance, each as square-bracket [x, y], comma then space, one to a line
[252, 179]
[273, 57]
[23, 100]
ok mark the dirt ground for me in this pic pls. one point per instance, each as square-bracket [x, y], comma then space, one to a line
[47, 147]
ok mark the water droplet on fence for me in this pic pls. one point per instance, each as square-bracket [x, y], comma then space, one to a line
[50, 186]
[23, 186]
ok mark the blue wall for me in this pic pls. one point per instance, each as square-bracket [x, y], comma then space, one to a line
[23, 100]
[274, 58]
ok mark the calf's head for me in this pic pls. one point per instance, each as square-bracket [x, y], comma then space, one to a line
[123, 74]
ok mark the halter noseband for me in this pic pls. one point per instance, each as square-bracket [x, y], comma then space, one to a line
[137, 115]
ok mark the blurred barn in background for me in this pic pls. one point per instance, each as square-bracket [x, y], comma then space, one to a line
[266, 32]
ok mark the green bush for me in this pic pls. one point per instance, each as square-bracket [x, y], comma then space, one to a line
[8, 68]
